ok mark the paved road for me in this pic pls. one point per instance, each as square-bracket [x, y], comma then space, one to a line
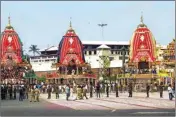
[91, 107]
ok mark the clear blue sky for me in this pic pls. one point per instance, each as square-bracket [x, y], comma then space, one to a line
[44, 23]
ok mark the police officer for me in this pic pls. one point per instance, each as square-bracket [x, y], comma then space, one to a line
[32, 94]
[37, 94]
[161, 89]
[117, 89]
[147, 89]
[130, 89]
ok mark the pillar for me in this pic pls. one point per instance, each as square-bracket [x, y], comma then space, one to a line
[65, 70]
[77, 72]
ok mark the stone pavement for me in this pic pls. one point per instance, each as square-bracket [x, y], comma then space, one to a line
[138, 101]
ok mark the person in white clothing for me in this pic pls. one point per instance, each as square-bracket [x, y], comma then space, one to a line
[170, 92]
[71, 91]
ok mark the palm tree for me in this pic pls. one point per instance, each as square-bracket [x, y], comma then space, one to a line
[34, 49]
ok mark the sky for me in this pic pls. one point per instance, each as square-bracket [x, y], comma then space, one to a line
[43, 23]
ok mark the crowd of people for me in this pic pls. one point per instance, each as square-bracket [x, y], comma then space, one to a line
[33, 91]
[11, 72]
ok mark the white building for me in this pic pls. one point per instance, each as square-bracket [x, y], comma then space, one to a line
[49, 55]
[160, 51]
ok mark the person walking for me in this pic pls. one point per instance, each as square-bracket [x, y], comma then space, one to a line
[170, 91]
[130, 89]
[117, 89]
[147, 89]
[161, 89]
[37, 94]
[67, 90]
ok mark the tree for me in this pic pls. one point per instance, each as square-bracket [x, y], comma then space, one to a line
[34, 49]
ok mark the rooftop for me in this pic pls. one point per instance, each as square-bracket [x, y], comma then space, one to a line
[53, 48]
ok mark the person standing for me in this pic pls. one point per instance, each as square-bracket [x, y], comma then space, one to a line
[98, 90]
[116, 89]
[173, 89]
[85, 91]
[24, 92]
[32, 94]
[107, 89]
[130, 89]
[49, 90]
[27, 91]
[14, 92]
[71, 91]
[79, 94]
[5, 91]
[147, 89]
[2, 92]
[57, 92]
[67, 90]
[121, 87]
[21, 94]
[91, 90]
[161, 89]
[170, 92]
[10, 90]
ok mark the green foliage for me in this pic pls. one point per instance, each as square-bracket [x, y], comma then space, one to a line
[42, 78]
[106, 62]
[34, 49]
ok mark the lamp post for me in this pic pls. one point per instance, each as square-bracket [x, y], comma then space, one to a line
[102, 25]
[123, 59]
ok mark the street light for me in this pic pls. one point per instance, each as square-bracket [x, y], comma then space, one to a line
[123, 58]
[102, 26]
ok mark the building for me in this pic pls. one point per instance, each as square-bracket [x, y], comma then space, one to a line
[142, 47]
[48, 56]
[160, 49]
[11, 45]
[169, 62]
[13, 63]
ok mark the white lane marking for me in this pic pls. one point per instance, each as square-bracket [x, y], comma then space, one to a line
[113, 110]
